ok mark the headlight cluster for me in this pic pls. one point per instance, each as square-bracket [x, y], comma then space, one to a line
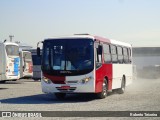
[85, 80]
[46, 80]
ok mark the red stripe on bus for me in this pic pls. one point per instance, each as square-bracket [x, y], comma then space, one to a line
[55, 79]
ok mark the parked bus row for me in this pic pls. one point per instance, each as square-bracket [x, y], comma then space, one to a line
[85, 64]
[14, 63]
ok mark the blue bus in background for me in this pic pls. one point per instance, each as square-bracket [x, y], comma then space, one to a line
[36, 64]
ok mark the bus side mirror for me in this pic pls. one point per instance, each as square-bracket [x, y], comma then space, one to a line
[99, 49]
[38, 51]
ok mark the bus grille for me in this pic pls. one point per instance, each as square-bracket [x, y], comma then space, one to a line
[71, 82]
[58, 82]
[71, 89]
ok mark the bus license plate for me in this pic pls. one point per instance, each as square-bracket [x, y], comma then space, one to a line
[65, 87]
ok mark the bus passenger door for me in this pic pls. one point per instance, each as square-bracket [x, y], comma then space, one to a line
[98, 67]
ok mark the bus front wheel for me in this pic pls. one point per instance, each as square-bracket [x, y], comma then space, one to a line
[60, 95]
[104, 92]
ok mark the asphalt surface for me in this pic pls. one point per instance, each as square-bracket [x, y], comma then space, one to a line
[26, 95]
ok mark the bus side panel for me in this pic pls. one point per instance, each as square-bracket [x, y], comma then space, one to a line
[118, 71]
[2, 63]
[21, 64]
[16, 66]
[104, 71]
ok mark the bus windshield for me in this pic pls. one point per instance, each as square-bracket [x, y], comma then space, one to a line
[27, 56]
[12, 50]
[68, 56]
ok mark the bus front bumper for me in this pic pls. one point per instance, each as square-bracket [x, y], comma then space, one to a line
[68, 88]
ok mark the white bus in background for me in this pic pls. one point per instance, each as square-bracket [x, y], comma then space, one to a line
[9, 61]
[36, 64]
[26, 64]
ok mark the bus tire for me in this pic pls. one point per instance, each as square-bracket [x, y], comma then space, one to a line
[123, 86]
[104, 92]
[60, 95]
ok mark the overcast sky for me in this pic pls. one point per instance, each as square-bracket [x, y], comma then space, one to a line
[133, 21]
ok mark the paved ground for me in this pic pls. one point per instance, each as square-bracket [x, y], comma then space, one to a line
[26, 95]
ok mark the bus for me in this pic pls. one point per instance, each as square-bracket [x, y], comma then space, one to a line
[26, 64]
[36, 65]
[9, 61]
[85, 64]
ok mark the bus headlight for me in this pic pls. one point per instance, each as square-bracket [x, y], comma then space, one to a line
[85, 80]
[46, 80]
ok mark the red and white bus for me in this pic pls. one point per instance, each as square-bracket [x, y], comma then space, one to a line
[85, 64]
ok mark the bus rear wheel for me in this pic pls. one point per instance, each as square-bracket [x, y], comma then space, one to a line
[104, 92]
[60, 96]
[123, 85]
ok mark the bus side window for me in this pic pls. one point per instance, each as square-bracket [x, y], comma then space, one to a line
[129, 51]
[107, 53]
[120, 54]
[98, 57]
[114, 54]
[125, 55]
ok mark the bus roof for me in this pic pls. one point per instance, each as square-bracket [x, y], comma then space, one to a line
[9, 43]
[71, 37]
[120, 43]
[101, 39]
